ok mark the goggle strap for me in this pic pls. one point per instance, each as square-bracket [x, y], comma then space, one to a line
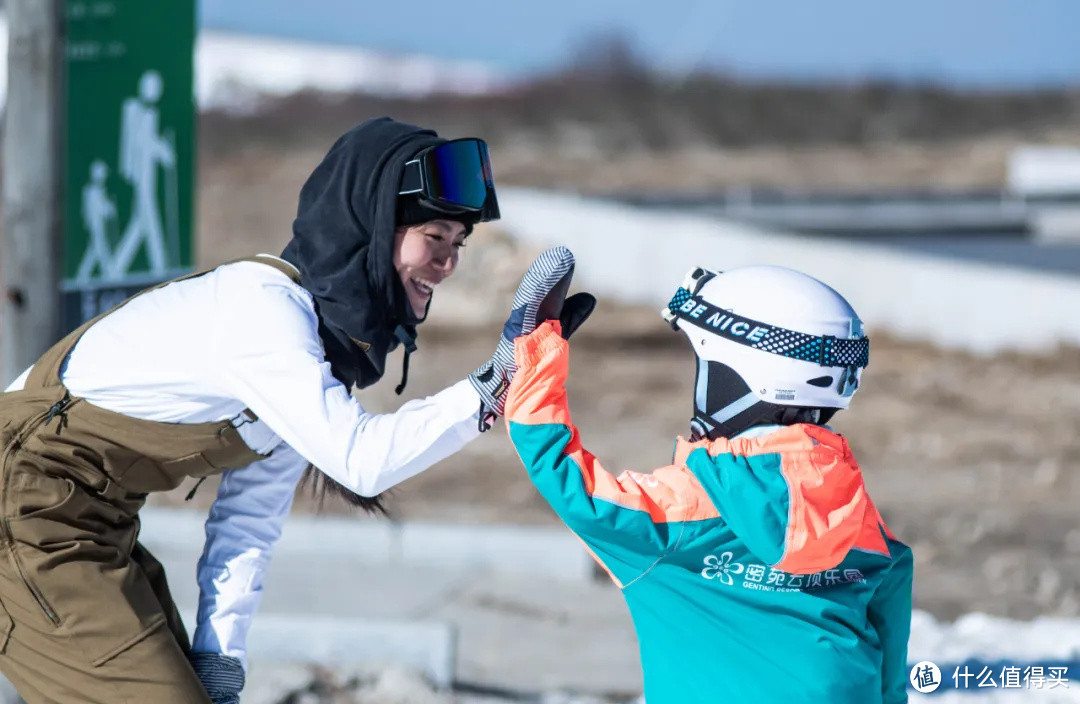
[698, 278]
[824, 350]
[412, 178]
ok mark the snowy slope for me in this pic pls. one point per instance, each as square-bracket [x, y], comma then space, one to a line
[233, 70]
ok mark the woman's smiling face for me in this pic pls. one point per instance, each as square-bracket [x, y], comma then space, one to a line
[424, 256]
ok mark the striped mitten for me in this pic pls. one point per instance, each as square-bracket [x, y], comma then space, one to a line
[539, 297]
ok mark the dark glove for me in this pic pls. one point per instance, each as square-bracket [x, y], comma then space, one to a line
[222, 675]
[576, 310]
[539, 297]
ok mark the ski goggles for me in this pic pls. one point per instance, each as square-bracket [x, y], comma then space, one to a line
[454, 177]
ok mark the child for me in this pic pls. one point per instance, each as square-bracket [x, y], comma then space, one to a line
[755, 566]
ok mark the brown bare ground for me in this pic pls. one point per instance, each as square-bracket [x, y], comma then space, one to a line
[973, 163]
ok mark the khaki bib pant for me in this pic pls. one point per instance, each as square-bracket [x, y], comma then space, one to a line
[85, 610]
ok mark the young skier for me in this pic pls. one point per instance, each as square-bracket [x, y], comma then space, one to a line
[755, 566]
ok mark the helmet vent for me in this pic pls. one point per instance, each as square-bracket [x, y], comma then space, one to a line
[822, 381]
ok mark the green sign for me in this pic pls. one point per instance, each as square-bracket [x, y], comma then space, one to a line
[130, 147]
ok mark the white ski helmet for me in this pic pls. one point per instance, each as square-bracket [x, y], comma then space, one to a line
[773, 345]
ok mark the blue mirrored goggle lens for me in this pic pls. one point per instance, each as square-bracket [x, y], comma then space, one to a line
[459, 173]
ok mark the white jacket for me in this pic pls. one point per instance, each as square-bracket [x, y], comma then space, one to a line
[246, 336]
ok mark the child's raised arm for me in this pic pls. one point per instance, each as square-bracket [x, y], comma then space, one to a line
[628, 522]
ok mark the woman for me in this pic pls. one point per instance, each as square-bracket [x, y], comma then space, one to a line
[247, 368]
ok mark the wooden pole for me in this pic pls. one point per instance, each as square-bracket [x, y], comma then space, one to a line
[30, 249]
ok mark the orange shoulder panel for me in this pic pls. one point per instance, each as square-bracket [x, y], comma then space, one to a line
[828, 501]
[668, 494]
[870, 539]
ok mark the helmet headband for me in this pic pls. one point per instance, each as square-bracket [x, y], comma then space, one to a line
[825, 350]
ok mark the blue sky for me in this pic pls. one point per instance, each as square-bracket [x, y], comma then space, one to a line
[975, 43]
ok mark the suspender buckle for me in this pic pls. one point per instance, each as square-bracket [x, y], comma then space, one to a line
[59, 409]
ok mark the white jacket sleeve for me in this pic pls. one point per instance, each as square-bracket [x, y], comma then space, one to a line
[20, 381]
[272, 360]
[244, 524]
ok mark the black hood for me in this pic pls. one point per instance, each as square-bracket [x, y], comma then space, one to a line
[343, 245]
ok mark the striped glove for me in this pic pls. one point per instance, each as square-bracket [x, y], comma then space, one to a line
[539, 297]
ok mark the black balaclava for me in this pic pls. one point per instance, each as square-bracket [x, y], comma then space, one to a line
[343, 245]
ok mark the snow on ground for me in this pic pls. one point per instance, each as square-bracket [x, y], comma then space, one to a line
[977, 641]
[992, 638]
[233, 70]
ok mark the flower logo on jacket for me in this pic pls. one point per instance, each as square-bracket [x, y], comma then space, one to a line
[721, 568]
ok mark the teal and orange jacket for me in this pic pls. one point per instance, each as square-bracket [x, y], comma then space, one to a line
[756, 568]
